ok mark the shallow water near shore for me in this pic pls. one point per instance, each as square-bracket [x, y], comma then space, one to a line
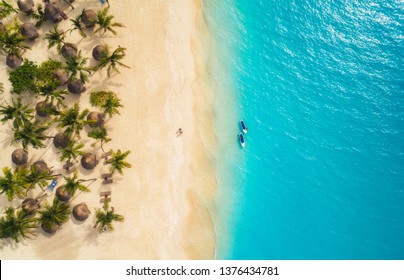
[320, 87]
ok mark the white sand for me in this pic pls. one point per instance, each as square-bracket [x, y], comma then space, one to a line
[167, 196]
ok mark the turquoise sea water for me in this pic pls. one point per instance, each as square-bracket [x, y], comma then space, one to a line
[320, 85]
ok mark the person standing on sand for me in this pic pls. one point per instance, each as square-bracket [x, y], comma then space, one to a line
[179, 131]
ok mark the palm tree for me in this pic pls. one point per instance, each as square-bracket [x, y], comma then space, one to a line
[53, 97]
[72, 185]
[71, 152]
[111, 106]
[77, 65]
[77, 26]
[12, 184]
[30, 134]
[39, 15]
[105, 22]
[56, 38]
[112, 61]
[38, 177]
[105, 216]
[117, 161]
[11, 43]
[100, 135]
[73, 120]
[16, 111]
[53, 216]
[6, 9]
[17, 224]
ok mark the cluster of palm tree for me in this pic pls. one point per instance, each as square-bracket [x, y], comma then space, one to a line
[109, 104]
[52, 81]
[17, 182]
[12, 44]
[16, 224]
[12, 38]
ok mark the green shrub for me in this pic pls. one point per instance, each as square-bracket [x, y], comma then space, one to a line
[46, 69]
[23, 79]
[99, 98]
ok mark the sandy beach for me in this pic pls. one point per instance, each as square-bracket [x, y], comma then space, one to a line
[167, 197]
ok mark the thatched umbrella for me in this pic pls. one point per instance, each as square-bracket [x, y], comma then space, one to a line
[28, 30]
[81, 212]
[62, 194]
[30, 205]
[40, 166]
[27, 6]
[99, 52]
[89, 18]
[89, 161]
[19, 157]
[96, 119]
[52, 13]
[42, 108]
[76, 86]
[49, 229]
[61, 140]
[69, 50]
[61, 76]
[13, 61]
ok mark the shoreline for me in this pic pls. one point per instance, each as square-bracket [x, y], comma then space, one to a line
[168, 194]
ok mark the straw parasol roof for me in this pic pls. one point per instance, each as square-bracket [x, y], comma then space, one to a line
[81, 212]
[99, 52]
[61, 140]
[96, 119]
[89, 161]
[88, 18]
[40, 166]
[19, 157]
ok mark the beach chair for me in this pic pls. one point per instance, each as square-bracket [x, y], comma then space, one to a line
[105, 155]
[107, 181]
[52, 185]
[106, 176]
[105, 193]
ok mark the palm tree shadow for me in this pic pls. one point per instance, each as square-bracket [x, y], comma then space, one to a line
[8, 243]
[92, 236]
[105, 83]
[6, 142]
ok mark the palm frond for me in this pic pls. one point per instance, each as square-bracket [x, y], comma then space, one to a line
[17, 224]
[117, 161]
[105, 217]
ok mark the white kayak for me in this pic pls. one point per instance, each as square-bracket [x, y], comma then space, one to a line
[241, 139]
[243, 126]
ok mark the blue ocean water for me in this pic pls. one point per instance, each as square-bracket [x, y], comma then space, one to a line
[320, 84]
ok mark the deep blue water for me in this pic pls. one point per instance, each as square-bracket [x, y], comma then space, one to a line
[320, 85]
